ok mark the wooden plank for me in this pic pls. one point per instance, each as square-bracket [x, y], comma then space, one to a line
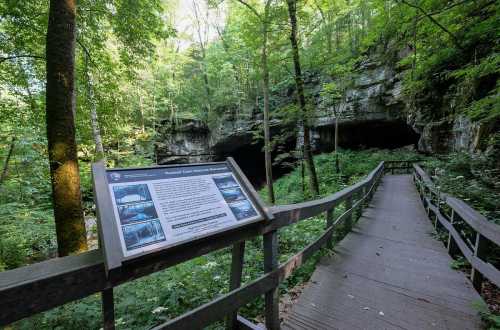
[42, 286]
[474, 219]
[244, 324]
[285, 215]
[378, 274]
[220, 307]
[39, 287]
[486, 269]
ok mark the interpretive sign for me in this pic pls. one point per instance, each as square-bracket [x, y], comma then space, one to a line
[149, 209]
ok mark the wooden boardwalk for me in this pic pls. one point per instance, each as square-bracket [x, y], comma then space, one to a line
[389, 273]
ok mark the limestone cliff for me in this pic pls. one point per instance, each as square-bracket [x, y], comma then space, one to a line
[373, 113]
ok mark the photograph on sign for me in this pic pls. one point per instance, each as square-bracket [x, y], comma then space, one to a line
[159, 207]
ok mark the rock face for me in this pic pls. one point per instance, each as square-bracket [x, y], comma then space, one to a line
[185, 141]
[373, 113]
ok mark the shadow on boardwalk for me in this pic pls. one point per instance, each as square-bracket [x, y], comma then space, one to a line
[389, 273]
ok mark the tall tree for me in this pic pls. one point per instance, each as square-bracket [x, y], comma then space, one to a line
[299, 82]
[94, 120]
[60, 113]
[264, 20]
[7, 159]
[202, 40]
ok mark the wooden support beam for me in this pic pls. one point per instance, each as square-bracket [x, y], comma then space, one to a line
[348, 219]
[480, 250]
[238, 256]
[329, 223]
[452, 245]
[272, 296]
[108, 309]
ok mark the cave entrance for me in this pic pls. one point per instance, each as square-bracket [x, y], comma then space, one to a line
[251, 159]
[382, 134]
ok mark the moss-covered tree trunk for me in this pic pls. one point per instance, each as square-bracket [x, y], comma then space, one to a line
[60, 112]
[308, 157]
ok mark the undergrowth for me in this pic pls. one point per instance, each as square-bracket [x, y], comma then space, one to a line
[164, 295]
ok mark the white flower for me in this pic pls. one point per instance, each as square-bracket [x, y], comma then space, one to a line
[210, 264]
[159, 310]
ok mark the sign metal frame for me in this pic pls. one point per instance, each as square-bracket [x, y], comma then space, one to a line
[109, 237]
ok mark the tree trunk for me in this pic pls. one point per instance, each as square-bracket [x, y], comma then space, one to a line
[313, 179]
[337, 165]
[60, 112]
[264, 20]
[267, 133]
[7, 160]
[94, 120]
[203, 65]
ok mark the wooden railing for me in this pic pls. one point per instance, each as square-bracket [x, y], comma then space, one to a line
[469, 233]
[39, 287]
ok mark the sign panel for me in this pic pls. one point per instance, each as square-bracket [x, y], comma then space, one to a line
[160, 207]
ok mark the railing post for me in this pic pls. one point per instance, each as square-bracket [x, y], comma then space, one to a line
[364, 197]
[329, 223]
[480, 249]
[452, 245]
[348, 220]
[238, 255]
[272, 296]
[355, 210]
[108, 309]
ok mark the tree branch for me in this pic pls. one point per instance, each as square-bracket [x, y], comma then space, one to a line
[453, 37]
[436, 12]
[252, 9]
[86, 51]
[13, 57]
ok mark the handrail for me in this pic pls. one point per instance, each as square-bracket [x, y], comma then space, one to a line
[486, 231]
[39, 287]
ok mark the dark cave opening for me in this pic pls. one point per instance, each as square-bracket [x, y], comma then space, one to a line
[380, 134]
[250, 158]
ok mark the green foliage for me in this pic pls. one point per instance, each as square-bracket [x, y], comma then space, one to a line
[492, 321]
[353, 164]
[475, 179]
[460, 263]
[153, 299]
[144, 70]
[457, 56]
